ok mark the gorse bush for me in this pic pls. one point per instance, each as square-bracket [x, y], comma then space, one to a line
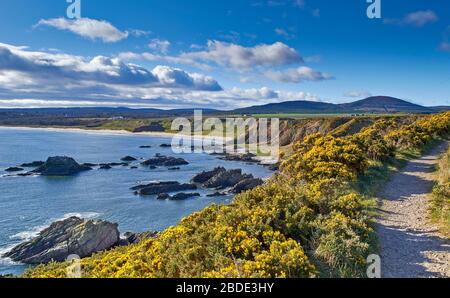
[309, 220]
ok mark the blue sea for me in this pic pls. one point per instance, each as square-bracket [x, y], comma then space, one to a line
[29, 204]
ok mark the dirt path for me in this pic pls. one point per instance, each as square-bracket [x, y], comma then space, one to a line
[410, 245]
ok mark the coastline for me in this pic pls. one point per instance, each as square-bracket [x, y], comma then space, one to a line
[167, 135]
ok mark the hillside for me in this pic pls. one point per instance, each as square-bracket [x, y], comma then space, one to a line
[375, 104]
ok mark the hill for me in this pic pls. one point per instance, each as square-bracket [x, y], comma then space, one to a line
[375, 104]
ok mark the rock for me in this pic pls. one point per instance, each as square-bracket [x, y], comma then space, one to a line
[165, 161]
[183, 196]
[165, 146]
[203, 177]
[273, 167]
[178, 197]
[105, 167]
[174, 169]
[134, 168]
[217, 194]
[247, 184]
[91, 165]
[128, 158]
[163, 196]
[226, 179]
[249, 158]
[64, 238]
[60, 166]
[157, 188]
[135, 238]
[145, 147]
[33, 164]
[13, 169]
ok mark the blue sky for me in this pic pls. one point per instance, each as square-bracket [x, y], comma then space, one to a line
[222, 54]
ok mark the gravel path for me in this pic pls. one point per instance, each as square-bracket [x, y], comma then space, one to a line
[410, 246]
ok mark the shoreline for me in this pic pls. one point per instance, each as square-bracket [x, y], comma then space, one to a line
[110, 132]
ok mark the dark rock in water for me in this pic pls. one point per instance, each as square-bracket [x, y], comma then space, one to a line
[145, 147]
[166, 146]
[64, 238]
[134, 168]
[25, 174]
[33, 164]
[183, 196]
[273, 167]
[203, 177]
[13, 169]
[162, 187]
[105, 167]
[135, 238]
[153, 167]
[249, 158]
[60, 166]
[226, 179]
[90, 165]
[165, 161]
[163, 196]
[178, 197]
[217, 194]
[128, 158]
[174, 169]
[247, 184]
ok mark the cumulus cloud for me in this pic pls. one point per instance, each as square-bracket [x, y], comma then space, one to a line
[239, 57]
[88, 28]
[159, 45]
[297, 75]
[48, 79]
[24, 71]
[358, 94]
[417, 19]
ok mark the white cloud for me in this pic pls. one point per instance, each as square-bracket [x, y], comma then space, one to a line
[48, 79]
[417, 19]
[87, 28]
[159, 45]
[239, 57]
[284, 33]
[297, 75]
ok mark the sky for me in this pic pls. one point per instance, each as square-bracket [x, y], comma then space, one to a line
[221, 54]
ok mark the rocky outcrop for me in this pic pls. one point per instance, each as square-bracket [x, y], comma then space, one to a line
[247, 184]
[60, 166]
[128, 159]
[157, 188]
[250, 158]
[165, 146]
[64, 238]
[131, 238]
[13, 169]
[165, 161]
[226, 179]
[233, 180]
[33, 164]
[203, 177]
[145, 147]
[178, 197]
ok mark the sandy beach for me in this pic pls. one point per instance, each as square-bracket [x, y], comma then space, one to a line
[109, 132]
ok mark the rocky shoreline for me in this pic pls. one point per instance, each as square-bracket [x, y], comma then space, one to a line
[73, 236]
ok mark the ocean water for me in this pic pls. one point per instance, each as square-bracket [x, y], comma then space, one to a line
[29, 204]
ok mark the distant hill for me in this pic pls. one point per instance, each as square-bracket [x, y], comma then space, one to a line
[384, 104]
[375, 104]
